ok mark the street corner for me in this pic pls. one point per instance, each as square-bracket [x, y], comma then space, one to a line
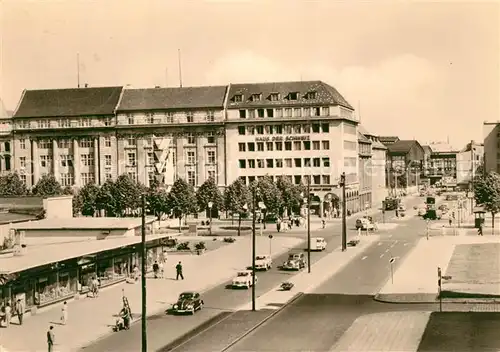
[394, 331]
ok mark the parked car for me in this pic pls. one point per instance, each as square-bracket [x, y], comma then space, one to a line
[364, 224]
[243, 279]
[300, 256]
[318, 244]
[263, 262]
[188, 302]
[292, 264]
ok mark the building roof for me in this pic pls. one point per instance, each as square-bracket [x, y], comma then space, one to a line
[363, 139]
[386, 140]
[4, 113]
[469, 145]
[401, 146]
[377, 145]
[68, 102]
[39, 255]
[364, 131]
[173, 98]
[325, 94]
[82, 223]
[442, 148]
[427, 149]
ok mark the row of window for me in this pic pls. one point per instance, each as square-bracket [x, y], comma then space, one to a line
[292, 96]
[286, 112]
[278, 146]
[170, 117]
[287, 162]
[284, 129]
[296, 179]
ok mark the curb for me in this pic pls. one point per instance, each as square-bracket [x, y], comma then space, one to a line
[407, 299]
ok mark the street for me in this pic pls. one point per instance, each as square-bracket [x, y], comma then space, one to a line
[164, 330]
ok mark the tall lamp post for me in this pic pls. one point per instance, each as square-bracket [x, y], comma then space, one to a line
[144, 343]
[254, 215]
[307, 200]
[210, 205]
[344, 213]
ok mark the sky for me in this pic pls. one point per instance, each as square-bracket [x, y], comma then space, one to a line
[423, 70]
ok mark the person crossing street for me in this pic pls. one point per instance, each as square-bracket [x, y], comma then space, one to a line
[178, 269]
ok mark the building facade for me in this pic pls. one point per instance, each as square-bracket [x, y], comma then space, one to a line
[377, 168]
[296, 130]
[442, 165]
[5, 140]
[404, 164]
[365, 171]
[491, 134]
[469, 160]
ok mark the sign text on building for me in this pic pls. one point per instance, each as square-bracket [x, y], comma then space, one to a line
[282, 138]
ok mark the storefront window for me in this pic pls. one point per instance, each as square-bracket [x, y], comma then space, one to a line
[121, 266]
[46, 289]
[67, 283]
[87, 272]
[25, 291]
[105, 271]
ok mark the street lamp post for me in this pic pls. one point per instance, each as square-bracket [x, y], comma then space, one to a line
[270, 245]
[254, 214]
[144, 343]
[210, 205]
[427, 228]
[344, 212]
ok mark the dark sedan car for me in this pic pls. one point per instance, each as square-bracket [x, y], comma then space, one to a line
[188, 302]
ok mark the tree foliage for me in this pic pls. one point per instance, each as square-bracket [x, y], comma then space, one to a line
[88, 196]
[157, 199]
[126, 194]
[182, 199]
[106, 199]
[47, 186]
[291, 198]
[487, 193]
[237, 200]
[209, 192]
[267, 192]
[11, 185]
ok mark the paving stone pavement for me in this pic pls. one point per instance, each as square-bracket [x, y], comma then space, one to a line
[395, 331]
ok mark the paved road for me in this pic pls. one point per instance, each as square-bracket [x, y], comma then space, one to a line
[165, 329]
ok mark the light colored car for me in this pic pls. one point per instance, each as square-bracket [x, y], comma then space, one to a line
[243, 279]
[263, 262]
[364, 224]
[318, 244]
[292, 264]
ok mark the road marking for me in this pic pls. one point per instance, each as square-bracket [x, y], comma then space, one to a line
[364, 257]
[382, 255]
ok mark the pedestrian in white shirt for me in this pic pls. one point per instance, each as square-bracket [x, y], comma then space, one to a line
[64, 313]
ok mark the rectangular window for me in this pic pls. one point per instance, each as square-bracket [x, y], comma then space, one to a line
[269, 146]
[191, 159]
[107, 141]
[316, 145]
[274, 96]
[307, 145]
[278, 129]
[64, 123]
[64, 143]
[211, 156]
[190, 138]
[150, 118]
[307, 162]
[325, 145]
[297, 112]
[326, 179]
[87, 159]
[191, 178]
[251, 113]
[130, 119]
[260, 163]
[306, 128]
[270, 113]
[22, 162]
[260, 113]
[131, 141]
[288, 145]
[189, 117]
[317, 179]
[242, 147]
[107, 160]
[315, 111]
[270, 163]
[211, 174]
[316, 162]
[325, 111]
[150, 159]
[260, 129]
[268, 129]
[288, 129]
[251, 146]
[241, 130]
[315, 127]
[243, 163]
[297, 145]
[260, 146]
[210, 138]
[279, 146]
[66, 179]
[326, 162]
[133, 175]
[243, 114]
[288, 162]
[251, 164]
[293, 96]
[306, 112]
[325, 127]
[297, 162]
[251, 130]
[86, 178]
[297, 179]
[288, 112]
[22, 143]
[66, 160]
[297, 129]
[44, 144]
[210, 116]
[43, 123]
[279, 163]
[278, 113]
[131, 159]
[170, 117]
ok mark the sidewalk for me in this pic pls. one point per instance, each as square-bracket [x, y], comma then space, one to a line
[416, 279]
[321, 271]
[90, 318]
[395, 331]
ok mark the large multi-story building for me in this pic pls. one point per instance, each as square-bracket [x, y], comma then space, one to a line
[294, 129]
[377, 168]
[404, 163]
[469, 160]
[442, 164]
[290, 129]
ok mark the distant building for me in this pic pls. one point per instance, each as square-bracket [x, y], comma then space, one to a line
[5, 140]
[469, 160]
[404, 158]
[388, 140]
[442, 166]
[491, 134]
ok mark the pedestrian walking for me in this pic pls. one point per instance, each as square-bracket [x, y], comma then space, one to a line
[178, 269]
[323, 223]
[19, 310]
[450, 221]
[51, 339]
[64, 313]
[8, 314]
[160, 269]
[156, 269]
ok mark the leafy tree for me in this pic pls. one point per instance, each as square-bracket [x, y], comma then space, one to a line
[47, 186]
[77, 205]
[237, 199]
[68, 191]
[157, 199]
[88, 196]
[11, 185]
[182, 199]
[268, 193]
[126, 194]
[106, 199]
[487, 193]
[290, 196]
[209, 192]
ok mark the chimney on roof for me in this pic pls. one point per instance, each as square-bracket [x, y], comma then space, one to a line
[86, 85]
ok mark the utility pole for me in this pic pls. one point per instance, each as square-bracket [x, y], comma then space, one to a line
[344, 213]
[309, 224]
[254, 214]
[143, 277]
